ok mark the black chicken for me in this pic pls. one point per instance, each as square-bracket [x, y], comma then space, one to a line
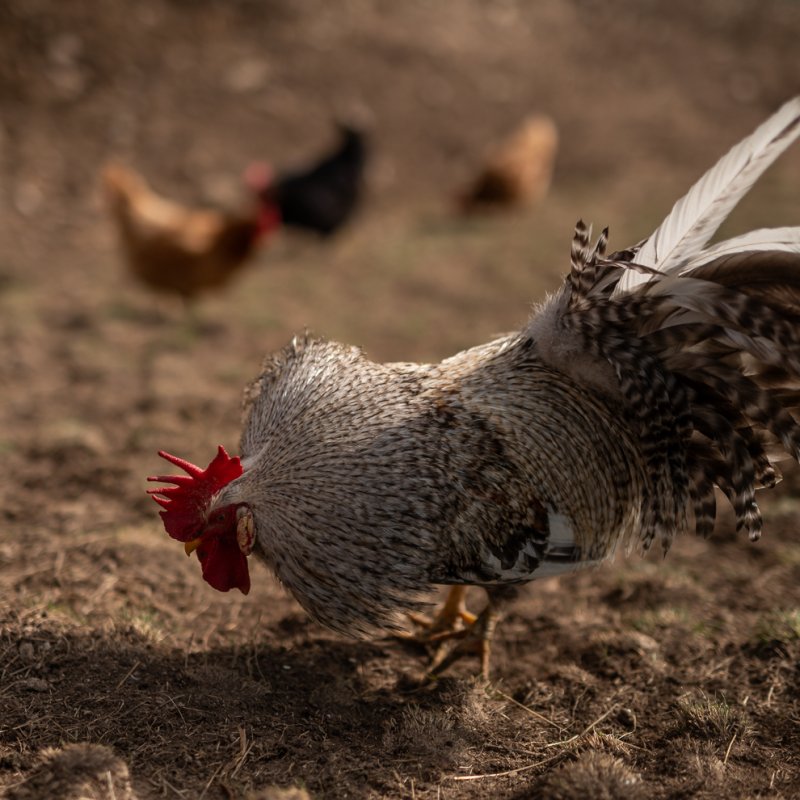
[323, 196]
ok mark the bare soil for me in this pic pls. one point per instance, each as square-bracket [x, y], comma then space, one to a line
[655, 678]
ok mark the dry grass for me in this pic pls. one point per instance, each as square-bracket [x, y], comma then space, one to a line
[592, 774]
[712, 718]
[76, 772]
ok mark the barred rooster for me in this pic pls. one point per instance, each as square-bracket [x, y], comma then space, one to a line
[654, 376]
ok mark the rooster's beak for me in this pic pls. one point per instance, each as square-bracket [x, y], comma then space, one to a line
[190, 547]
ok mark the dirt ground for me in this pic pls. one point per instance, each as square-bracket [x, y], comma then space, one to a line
[648, 678]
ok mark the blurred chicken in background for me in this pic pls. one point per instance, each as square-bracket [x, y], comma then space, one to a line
[517, 171]
[180, 250]
[319, 197]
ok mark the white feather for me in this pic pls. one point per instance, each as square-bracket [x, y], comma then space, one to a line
[696, 216]
[783, 239]
[562, 534]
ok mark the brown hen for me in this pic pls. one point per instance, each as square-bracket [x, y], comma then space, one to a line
[180, 250]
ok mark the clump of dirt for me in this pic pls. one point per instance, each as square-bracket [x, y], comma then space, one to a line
[75, 772]
[592, 774]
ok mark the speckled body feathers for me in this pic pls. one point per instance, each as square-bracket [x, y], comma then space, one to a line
[371, 482]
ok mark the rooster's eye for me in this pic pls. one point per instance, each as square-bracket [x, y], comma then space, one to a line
[220, 518]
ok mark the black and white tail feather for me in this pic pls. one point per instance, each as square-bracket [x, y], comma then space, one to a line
[704, 342]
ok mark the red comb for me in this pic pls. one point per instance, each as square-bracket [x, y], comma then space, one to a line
[259, 176]
[185, 503]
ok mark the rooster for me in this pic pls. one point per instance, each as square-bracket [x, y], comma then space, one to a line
[517, 171]
[180, 250]
[321, 197]
[652, 377]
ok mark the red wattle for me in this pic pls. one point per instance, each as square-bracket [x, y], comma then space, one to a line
[224, 565]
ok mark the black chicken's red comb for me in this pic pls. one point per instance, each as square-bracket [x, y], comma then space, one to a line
[185, 503]
[259, 176]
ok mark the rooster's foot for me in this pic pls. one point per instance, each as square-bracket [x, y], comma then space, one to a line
[452, 619]
[476, 639]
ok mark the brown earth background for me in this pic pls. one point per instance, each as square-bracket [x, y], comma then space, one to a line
[648, 678]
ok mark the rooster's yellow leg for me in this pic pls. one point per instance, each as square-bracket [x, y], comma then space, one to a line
[450, 620]
[476, 639]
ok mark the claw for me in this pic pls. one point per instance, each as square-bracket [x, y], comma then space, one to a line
[475, 640]
[456, 632]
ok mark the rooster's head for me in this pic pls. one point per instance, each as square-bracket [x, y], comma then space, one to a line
[221, 535]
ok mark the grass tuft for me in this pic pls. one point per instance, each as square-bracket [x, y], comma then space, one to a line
[592, 774]
[779, 626]
[712, 717]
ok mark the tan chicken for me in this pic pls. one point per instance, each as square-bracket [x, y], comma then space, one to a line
[517, 172]
[180, 250]
[654, 376]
